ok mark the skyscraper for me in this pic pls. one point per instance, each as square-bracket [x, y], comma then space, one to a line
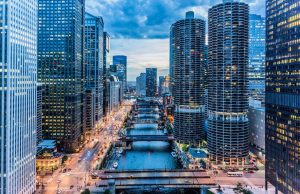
[189, 67]
[121, 62]
[283, 95]
[39, 114]
[18, 96]
[257, 45]
[61, 69]
[151, 82]
[172, 53]
[162, 80]
[228, 125]
[94, 71]
[106, 75]
[138, 85]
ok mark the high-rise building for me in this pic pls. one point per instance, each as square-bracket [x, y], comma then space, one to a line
[172, 53]
[162, 80]
[138, 85]
[39, 114]
[106, 75]
[61, 69]
[151, 82]
[189, 67]
[228, 125]
[257, 33]
[94, 71]
[18, 96]
[116, 93]
[121, 62]
[283, 95]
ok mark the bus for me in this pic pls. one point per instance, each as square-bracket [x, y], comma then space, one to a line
[234, 174]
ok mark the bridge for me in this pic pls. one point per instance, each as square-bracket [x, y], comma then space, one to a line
[134, 120]
[132, 138]
[140, 179]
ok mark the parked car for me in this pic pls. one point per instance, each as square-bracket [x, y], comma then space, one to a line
[71, 187]
[130, 176]
[225, 171]
[250, 171]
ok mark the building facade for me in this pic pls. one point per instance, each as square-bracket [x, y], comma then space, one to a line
[172, 53]
[189, 98]
[39, 114]
[283, 95]
[94, 71]
[116, 93]
[228, 125]
[18, 95]
[106, 75]
[256, 72]
[151, 82]
[121, 63]
[61, 69]
[162, 80]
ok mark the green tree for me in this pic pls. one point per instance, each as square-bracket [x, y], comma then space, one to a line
[107, 191]
[185, 147]
[86, 191]
[238, 189]
[65, 158]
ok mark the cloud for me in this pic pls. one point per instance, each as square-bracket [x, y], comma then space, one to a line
[151, 19]
[142, 54]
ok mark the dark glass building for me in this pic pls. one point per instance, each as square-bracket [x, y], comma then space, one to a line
[283, 95]
[189, 91]
[106, 75]
[61, 69]
[256, 73]
[94, 71]
[121, 64]
[228, 125]
[151, 82]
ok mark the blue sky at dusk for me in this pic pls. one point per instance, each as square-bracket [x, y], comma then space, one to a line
[139, 29]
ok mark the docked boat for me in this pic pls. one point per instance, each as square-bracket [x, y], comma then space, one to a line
[115, 165]
[174, 154]
[121, 151]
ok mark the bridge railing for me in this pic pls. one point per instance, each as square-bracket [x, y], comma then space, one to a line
[153, 170]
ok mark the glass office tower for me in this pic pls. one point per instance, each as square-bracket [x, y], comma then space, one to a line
[94, 71]
[61, 69]
[283, 95]
[256, 73]
[106, 75]
[228, 103]
[151, 82]
[18, 96]
[121, 63]
[189, 67]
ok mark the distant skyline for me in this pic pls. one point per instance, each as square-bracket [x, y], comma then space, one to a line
[140, 29]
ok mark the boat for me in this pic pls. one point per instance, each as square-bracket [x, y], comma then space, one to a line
[121, 151]
[174, 154]
[119, 155]
[115, 164]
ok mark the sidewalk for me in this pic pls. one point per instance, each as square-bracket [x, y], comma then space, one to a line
[227, 189]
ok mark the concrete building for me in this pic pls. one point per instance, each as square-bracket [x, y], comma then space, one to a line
[256, 73]
[172, 62]
[106, 75]
[61, 69]
[256, 116]
[162, 80]
[116, 93]
[94, 71]
[151, 82]
[283, 95]
[189, 67]
[228, 125]
[18, 96]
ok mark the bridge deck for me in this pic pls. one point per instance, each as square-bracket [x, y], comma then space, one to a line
[147, 138]
[152, 170]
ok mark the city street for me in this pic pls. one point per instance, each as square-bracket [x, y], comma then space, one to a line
[82, 163]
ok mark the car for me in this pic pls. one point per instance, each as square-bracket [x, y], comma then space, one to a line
[232, 171]
[58, 180]
[71, 187]
[109, 176]
[69, 174]
[130, 176]
[250, 171]
[80, 156]
[69, 169]
[60, 191]
[64, 170]
[225, 171]
[187, 181]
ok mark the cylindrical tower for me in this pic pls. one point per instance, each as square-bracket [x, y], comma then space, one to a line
[228, 126]
[189, 94]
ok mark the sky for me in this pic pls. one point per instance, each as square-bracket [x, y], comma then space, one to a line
[139, 29]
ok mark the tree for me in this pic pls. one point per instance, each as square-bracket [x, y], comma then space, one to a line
[185, 147]
[107, 191]
[65, 158]
[239, 188]
[86, 191]
[246, 191]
